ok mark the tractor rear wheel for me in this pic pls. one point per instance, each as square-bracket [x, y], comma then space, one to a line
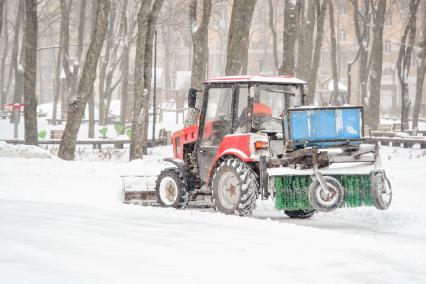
[301, 214]
[171, 189]
[234, 187]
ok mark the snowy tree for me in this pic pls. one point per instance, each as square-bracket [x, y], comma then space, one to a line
[421, 69]
[30, 72]
[238, 36]
[200, 35]
[80, 96]
[372, 113]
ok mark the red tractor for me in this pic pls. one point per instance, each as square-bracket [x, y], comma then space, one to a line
[254, 138]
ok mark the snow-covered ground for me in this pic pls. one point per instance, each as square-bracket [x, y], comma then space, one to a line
[63, 222]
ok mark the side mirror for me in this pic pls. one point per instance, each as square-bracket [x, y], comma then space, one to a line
[192, 97]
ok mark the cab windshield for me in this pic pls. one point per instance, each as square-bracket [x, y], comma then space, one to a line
[270, 103]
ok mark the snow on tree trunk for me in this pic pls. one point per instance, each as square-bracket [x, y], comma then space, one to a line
[30, 73]
[317, 52]
[289, 38]
[238, 36]
[372, 113]
[200, 52]
[421, 70]
[80, 96]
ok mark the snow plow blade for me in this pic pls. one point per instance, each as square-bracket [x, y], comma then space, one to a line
[139, 189]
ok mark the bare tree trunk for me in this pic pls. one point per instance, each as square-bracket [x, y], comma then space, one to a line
[148, 70]
[19, 67]
[91, 102]
[403, 64]
[139, 93]
[13, 66]
[306, 41]
[317, 51]
[104, 64]
[199, 49]
[373, 111]
[333, 53]
[3, 91]
[80, 97]
[65, 21]
[113, 63]
[124, 63]
[362, 33]
[1, 14]
[289, 39]
[238, 36]
[274, 35]
[30, 73]
[81, 29]
[421, 70]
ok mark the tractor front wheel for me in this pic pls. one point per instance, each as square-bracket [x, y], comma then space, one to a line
[171, 189]
[301, 214]
[234, 187]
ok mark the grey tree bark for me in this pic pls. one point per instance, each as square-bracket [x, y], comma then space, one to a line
[81, 23]
[3, 90]
[124, 64]
[274, 35]
[372, 113]
[1, 14]
[289, 38]
[306, 40]
[200, 33]
[91, 102]
[19, 67]
[362, 32]
[238, 36]
[104, 64]
[403, 64]
[321, 12]
[148, 70]
[78, 101]
[421, 70]
[30, 73]
[334, 98]
[147, 14]
[65, 21]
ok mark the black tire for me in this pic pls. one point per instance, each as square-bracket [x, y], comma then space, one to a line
[300, 214]
[381, 191]
[247, 186]
[176, 185]
[324, 203]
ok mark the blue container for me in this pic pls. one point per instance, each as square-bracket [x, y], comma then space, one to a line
[324, 127]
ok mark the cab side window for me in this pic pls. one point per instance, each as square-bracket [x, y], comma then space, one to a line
[240, 118]
[218, 118]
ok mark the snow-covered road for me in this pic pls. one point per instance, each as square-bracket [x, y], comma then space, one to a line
[62, 222]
